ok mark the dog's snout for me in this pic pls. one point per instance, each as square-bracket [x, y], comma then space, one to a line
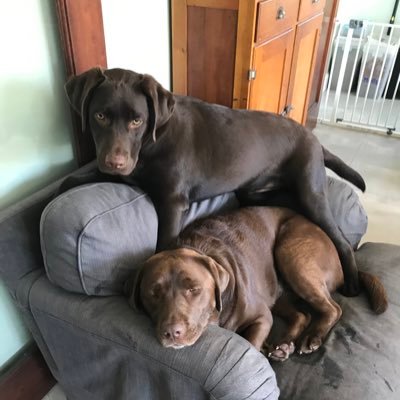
[174, 331]
[116, 161]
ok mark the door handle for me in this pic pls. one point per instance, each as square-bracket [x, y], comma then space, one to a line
[287, 110]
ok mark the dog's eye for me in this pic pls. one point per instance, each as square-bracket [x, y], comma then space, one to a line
[100, 116]
[155, 292]
[135, 123]
[194, 290]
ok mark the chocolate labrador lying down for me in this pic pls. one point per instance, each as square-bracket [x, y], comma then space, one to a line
[180, 149]
[225, 271]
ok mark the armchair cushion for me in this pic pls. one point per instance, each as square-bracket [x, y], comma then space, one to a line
[94, 235]
[347, 210]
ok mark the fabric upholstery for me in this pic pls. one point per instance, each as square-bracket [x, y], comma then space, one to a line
[19, 234]
[347, 210]
[20, 239]
[94, 235]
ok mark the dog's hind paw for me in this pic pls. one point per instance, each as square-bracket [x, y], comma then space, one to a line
[309, 345]
[281, 352]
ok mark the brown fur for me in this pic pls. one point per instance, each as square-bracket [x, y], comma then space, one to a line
[225, 271]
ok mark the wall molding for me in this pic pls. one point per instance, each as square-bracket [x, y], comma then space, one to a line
[27, 377]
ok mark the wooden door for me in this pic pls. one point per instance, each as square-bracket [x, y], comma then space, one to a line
[272, 61]
[211, 41]
[203, 48]
[303, 64]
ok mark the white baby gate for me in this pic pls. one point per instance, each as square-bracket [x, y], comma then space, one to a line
[363, 76]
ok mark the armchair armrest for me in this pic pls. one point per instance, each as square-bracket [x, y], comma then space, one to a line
[19, 234]
[99, 342]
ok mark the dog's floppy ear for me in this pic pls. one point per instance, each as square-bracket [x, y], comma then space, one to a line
[160, 101]
[221, 278]
[132, 289]
[78, 89]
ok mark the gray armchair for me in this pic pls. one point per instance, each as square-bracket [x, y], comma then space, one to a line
[65, 268]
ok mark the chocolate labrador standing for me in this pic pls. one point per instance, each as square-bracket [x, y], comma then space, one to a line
[224, 271]
[180, 149]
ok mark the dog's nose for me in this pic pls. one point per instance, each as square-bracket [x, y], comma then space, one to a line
[115, 161]
[174, 331]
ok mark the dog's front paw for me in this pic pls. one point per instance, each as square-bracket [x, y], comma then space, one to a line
[281, 352]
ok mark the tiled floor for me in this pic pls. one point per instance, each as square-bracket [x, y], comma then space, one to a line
[377, 158]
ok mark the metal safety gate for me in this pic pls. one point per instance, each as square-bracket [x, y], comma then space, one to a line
[361, 87]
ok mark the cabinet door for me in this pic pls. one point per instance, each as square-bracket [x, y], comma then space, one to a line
[271, 61]
[211, 40]
[301, 77]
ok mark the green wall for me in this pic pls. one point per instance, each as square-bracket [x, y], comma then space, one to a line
[35, 128]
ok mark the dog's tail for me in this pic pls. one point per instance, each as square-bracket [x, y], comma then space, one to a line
[342, 169]
[376, 292]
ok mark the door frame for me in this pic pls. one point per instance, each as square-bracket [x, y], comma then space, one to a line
[80, 23]
[330, 12]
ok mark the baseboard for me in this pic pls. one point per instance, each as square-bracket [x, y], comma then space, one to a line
[28, 378]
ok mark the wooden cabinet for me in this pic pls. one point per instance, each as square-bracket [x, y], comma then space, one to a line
[271, 59]
[301, 77]
[255, 54]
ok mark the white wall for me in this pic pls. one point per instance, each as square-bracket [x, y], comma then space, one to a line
[137, 35]
[371, 10]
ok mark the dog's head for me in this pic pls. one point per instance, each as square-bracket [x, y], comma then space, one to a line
[122, 110]
[181, 291]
